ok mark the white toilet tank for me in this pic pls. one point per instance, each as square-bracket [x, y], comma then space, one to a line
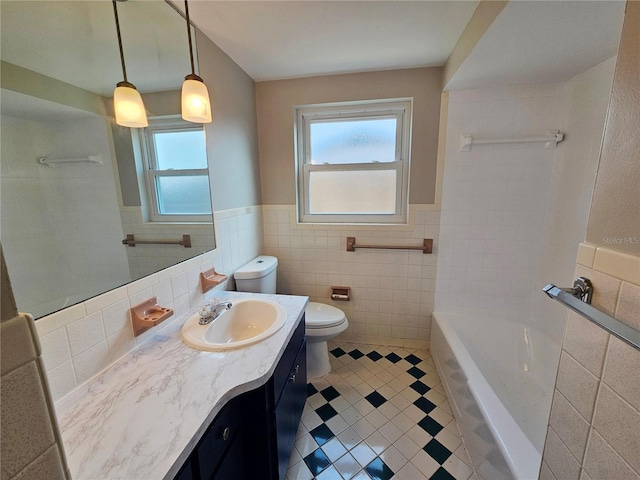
[257, 276]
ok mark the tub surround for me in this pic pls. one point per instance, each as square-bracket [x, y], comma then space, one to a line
[142, 416]
[493, 434]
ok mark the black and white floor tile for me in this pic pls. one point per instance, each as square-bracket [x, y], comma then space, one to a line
[380, 414]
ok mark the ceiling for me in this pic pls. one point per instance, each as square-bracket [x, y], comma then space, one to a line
[542, 41]
[529, 42]
[287, 39]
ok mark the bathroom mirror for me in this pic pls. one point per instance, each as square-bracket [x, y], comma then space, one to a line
[74, 184]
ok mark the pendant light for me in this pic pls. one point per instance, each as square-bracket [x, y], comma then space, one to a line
[196, 106]
[127, 102]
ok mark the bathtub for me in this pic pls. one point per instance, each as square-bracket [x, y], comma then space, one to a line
[496, 374]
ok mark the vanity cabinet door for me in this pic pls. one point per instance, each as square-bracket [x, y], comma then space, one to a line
[219, 441]
[287, 362]
[288, 410]
[231, 466]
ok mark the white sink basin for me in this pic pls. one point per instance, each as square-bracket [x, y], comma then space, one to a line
[247, 322]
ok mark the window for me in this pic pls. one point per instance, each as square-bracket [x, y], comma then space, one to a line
[353, 161]
[176, 176]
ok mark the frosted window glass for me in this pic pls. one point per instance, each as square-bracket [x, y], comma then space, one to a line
[184, 195]
[180, 150]
[344, 192]
[353, 141]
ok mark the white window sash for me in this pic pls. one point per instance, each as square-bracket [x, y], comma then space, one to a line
[396, 217]
[401, 110]
[151, 173]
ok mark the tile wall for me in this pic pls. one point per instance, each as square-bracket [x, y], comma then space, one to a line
[392, 291]
[495, 198]
[31, 444]
[152, 258]
[594, 430]
[80, 341]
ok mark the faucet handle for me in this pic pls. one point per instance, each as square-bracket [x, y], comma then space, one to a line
[206, 312]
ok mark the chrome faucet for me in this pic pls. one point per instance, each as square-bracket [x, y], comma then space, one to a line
[209, 313]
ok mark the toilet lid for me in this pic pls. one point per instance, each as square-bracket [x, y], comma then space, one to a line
[319, 315]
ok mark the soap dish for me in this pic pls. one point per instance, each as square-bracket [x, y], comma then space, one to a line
[210, 278]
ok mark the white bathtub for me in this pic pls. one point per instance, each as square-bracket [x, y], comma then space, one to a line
[494, 371]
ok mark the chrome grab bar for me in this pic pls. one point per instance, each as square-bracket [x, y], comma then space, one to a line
[578, 298]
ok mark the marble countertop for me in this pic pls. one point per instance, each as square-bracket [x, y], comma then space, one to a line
[141, 417]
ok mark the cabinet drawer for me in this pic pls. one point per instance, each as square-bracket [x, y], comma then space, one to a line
[286, 364]
[217, 439]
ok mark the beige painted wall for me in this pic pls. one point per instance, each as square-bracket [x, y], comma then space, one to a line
[614, 220]
[276, 99]
[232, 146]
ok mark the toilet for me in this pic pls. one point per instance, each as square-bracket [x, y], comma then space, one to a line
[323, 322]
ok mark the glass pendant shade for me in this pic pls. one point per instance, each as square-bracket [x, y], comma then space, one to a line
[196, 106]
[130, 111]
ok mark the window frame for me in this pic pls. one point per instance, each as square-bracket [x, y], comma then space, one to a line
[151, 173]
[399, 108]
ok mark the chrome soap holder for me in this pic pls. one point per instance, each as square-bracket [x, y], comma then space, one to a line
[147, 315]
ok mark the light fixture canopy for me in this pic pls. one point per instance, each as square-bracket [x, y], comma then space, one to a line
[127, 102]
[196, 105]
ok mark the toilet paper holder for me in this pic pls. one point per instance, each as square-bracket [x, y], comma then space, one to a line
[341, 293]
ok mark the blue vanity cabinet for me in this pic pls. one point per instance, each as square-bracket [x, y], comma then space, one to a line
[278, 408]
[253, 435]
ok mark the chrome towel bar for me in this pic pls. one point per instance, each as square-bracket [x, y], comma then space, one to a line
[578, 299]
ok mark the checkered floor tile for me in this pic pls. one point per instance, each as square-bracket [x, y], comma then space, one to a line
[380, 414]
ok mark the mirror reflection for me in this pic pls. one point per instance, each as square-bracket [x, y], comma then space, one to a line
[75, 184]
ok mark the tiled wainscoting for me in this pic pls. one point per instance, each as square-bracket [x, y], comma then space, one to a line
[82, 340]
[594, 431]
[392, 290]
[382, 413]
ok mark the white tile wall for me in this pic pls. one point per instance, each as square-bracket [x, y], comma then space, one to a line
[574, 172]
[495, 198]
[80, 341]
[513, 215]
[392, 291]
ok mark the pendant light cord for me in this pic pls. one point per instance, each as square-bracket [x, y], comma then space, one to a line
[124, 69]
[186, 11]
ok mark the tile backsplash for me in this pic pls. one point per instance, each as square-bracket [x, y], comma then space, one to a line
[392, 291]
[594, 430]
[80, 341]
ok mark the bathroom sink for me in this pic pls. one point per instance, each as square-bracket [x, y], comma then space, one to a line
[248, 321]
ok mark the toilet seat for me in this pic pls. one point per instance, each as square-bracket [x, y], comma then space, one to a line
[320, 315]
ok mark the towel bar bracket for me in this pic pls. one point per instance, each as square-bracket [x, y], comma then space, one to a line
[578, 298]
